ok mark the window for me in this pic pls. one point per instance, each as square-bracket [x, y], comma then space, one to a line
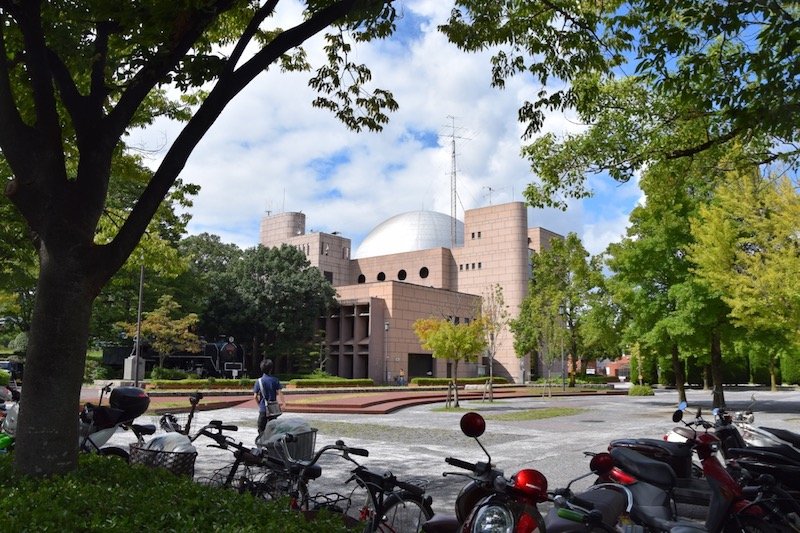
[423, 272]
[473, 234]
[381, 276]
[479, 265]
[328, 276]
[461, 267]
[473, 266]
[479, 234]
[401, 275]
[362, 278]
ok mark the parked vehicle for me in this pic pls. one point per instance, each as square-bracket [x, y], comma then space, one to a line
[761, 505]
[98, 423]
[491, 502]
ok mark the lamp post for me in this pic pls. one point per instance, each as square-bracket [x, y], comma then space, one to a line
[562, 312]
[138, 329]
[491, 367]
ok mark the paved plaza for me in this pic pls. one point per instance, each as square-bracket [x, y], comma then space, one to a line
[413, 442]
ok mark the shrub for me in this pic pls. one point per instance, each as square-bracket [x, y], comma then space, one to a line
[331, 382]
[430, 382]
[195, 384]
[105, 494]
[160, 372]
[20, 343]
[641, 390]
[5, 377]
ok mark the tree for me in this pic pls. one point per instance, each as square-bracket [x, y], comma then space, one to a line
[748, 251]
[562, 281]
[75, 78]
[494, 313]
[731, 64]
[453, 342]
[166, 331]
[283, 296]
[210, 286]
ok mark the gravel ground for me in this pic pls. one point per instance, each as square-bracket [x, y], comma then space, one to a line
[413, 442]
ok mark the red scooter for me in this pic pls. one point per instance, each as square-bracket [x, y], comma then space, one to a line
[492, 502]
[732, 507]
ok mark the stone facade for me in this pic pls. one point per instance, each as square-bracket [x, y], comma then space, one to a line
[380, 297]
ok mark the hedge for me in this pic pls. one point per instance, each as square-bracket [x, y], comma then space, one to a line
[104, 494]
[641, 390]
[212, 383]
[430, 382]
[331, 383]
[5, 377]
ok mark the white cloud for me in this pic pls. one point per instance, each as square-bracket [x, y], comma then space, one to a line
[266, 150]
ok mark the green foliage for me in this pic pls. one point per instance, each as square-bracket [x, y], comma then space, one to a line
[681, 64]
[166, 331]
[20, 343]
[201, 384]
[5, 377]
[282, 297]
[641, 390]
[115, 497]
[332, 382]
[553, 316]
[454, 342]
[434, 382]
[161, 373]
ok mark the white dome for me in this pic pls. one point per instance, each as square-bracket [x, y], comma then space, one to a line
[408, 232]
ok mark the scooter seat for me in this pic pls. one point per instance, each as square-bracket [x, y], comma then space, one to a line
[644, 468]
[656, 447]
[783, 454]
[784, 434]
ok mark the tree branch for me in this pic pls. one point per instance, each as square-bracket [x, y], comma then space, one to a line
[117, 251]
[252, 27]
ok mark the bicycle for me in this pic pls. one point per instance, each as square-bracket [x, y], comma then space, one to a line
[169, 421]
[250, 468]
[379, 501]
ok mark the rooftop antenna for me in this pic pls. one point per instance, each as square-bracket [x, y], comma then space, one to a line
[453, 138]
[491, 190]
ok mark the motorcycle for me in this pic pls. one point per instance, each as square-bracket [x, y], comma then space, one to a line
[492, 502]
[98, 423]
[676, 451]
[9, 419]
[732, 506]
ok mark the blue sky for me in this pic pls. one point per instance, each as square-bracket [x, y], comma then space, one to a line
[271, 151]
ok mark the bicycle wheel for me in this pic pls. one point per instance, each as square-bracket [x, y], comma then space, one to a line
[403, 512]
[360, 508]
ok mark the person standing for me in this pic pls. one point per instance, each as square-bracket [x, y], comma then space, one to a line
[267, 389]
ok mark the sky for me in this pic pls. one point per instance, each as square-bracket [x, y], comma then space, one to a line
[270, 151]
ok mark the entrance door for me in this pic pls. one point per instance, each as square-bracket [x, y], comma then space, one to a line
[420, 365]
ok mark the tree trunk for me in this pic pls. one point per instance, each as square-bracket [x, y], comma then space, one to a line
[716, 369]
[455, 383]
[773, 378]
[706, 375]
[680, 378]
[47, 434]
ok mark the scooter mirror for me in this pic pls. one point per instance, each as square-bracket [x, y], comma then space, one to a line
[473, 425]
[682, 406]
[677, 416]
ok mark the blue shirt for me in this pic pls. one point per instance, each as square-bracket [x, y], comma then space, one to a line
[271, 388]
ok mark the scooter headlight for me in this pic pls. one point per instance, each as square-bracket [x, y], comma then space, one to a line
[493, 519]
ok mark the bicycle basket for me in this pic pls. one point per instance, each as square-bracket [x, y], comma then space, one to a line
[179, 463]
[301, 448]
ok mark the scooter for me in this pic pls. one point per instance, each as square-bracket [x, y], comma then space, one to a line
[492, 502]
[98, 423]
[732, 507]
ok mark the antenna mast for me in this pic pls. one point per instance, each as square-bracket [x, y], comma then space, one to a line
[453, 182]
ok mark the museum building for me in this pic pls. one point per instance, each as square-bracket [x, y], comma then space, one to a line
[415, 265]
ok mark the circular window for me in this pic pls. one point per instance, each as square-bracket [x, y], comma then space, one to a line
[362, 278]
[423, 272]
[381, 276]
[401, 275]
